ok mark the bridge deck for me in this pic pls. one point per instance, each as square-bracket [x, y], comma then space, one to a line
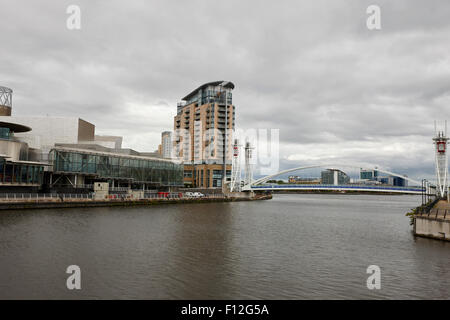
[369, 188]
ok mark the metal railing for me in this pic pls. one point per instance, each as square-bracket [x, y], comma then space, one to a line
[78, 186]
[43, 196]
[434, 213]
[24, 197]
[119, 189]
[334, 186]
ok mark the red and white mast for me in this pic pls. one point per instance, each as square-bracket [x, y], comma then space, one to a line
[440, 142]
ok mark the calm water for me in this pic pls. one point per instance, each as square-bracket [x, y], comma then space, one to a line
[291, 247]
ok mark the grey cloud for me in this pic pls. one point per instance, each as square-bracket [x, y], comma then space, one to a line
[309, 68]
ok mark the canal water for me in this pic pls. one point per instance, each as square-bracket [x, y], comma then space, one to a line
[299, 246]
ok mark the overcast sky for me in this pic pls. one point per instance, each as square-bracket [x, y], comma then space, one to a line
[336, 90]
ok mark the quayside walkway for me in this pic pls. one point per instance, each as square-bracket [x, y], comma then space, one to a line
[39, 201]
[441, 210]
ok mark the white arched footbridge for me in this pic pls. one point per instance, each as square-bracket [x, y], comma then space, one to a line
[260, 184]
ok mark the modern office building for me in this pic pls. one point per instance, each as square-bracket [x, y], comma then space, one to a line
[400, 182]
[16, 171]
[199, 134]
[373, 175]
[80, 167]
[166, 144]
[386, 180]
[48, 131]
[64, 152]
[368, 174]
[393, 181]
[334, 177]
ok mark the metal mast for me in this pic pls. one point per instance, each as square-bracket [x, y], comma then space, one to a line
[224, 91]
[440, 141]
[236, 168]
[248, 166]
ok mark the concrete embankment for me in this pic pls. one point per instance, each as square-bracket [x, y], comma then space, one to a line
[433, 222]
[48, 204]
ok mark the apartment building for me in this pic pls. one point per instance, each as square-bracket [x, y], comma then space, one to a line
[166, 144]
[203, 130]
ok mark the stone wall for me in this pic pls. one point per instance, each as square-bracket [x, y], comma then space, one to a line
[432, 227]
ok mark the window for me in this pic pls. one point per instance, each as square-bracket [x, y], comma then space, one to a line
[4, 133]
[112, 166]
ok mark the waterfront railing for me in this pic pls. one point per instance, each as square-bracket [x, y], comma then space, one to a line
[41, 196]
[18, 197]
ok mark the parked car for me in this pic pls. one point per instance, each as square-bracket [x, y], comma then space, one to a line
[198, 194]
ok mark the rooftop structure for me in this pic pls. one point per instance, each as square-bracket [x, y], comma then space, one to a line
[5, 101]
[48, 131]
[8, 128]
[209, 92]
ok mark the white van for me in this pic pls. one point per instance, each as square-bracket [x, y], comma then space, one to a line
[198, 194]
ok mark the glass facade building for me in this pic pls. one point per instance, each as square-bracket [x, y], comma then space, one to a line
[15, 169]
[111, 166]
[368, 174]
[16, 173]
[333, 176]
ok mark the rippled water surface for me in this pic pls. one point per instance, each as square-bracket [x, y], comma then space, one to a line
[290, 247]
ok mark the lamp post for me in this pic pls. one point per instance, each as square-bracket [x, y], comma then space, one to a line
[223, 91]
[423, 192]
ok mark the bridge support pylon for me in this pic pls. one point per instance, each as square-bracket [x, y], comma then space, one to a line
[440, 142]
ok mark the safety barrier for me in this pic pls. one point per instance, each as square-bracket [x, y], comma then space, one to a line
[42, 196]
[14, 197]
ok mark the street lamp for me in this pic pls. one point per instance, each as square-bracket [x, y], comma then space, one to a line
[223, 91]
[423, 192]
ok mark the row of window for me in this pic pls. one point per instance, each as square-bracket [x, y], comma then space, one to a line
[106, 166]
[20, 173]
[200, 175]
[5, 133]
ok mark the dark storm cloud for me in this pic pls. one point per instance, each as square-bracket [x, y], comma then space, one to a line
[310, 68]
